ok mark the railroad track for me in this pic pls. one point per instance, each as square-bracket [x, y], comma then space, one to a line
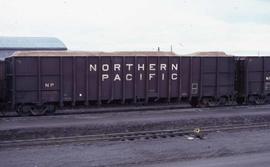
[130, 136]
[79, 111]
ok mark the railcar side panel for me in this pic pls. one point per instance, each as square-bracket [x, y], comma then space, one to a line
[218, 76]
[175, 76]
[67, 76]
[185, 77]
[140, 77]
[257, 78]
[49, 83]
[2, 81]
[94, 78]
[81, 78]
[226, 69]
[25, 80]
[195, 66]
[105, 79]
[162, 74]
[129, 77]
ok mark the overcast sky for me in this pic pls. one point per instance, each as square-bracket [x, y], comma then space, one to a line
[233, 26]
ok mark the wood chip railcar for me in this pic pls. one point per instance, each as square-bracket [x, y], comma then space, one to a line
[36, 82]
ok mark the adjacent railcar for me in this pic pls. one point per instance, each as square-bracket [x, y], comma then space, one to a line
[40, 80]
[254, 79]
[2, 83]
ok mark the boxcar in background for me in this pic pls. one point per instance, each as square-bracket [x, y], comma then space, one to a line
[40, 80]
[253, 80]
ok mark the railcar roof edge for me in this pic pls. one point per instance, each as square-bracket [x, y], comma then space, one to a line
[100, 53]
[209, 53]
[86, 53]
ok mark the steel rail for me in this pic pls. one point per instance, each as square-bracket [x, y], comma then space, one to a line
[132, 135]
[78, 111]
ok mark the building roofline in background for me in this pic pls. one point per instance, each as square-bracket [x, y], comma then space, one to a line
[31, 43]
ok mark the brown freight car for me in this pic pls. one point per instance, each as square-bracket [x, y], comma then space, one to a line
[40, 80]
[2, 83]
[253, 79]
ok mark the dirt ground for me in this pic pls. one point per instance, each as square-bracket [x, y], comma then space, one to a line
[139, 152]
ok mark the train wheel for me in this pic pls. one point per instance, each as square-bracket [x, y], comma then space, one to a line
[222, 101]
[203, 102]
[23, 110]
[259, 100]
[36, 111]
[213, 103]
